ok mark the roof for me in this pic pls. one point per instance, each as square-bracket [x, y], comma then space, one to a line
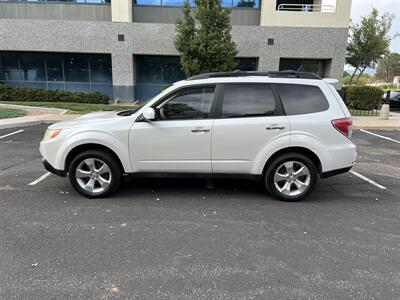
[270, 74]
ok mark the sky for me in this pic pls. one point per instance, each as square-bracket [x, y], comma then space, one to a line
[361, 8]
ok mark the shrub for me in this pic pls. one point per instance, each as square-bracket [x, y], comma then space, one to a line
[8, 93]
[363, 97]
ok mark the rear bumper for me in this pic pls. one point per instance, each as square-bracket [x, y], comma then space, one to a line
[335, 172]
[51, 169]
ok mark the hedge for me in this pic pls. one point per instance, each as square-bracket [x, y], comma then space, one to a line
[363, 97]
[8, 93]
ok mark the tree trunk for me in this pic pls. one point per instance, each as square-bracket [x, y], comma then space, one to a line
[352, 76]
[362, 71]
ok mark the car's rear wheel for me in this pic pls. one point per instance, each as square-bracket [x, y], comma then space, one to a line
[291, 177]
[94, 173]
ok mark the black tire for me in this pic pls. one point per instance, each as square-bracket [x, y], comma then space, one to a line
[277, 162]
[114, 167]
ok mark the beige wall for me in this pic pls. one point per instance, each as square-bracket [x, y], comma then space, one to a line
[338, 19]
[121, 10]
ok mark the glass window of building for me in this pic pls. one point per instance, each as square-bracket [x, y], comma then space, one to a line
[100, 68]
[76, 68]
[315, 66]
[32, 67]
[9, 67]
[54, 65]
[57, 71]
[224, 3]
[154, 73]
[69, 1]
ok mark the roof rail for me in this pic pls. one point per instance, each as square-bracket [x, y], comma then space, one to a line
[272, 74]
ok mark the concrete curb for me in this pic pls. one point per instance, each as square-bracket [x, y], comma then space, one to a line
[47, 110]
[34, 120]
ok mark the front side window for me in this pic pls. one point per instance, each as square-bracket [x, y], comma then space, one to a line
[189, 104]
[248, 100]
[298, 99]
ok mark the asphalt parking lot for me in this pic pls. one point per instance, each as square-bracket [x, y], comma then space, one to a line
[178, 239]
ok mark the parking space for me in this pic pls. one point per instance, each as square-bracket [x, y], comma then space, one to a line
[176, 238]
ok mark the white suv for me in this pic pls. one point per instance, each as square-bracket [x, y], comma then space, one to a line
[286, 128]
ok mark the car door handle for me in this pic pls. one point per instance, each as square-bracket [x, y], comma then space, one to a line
[200, 130]
[272, 127]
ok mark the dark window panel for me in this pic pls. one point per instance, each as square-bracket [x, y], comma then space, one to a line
[100, 69]
[246, 64]
[224, 3]
[68, 1]
[34, 85]
[11, 83]
[106, 89]
[158, 69]
[9, 69]
[76, 68]
[315, 66]
[54, 67]
[56, 86]
[32, 67]
[148, 2]
[146, 91]
[300, 99]
[248, 100]
[78, 87]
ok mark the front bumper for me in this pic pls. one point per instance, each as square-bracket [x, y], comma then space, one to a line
[51, 169]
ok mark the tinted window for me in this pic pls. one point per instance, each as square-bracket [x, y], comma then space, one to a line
[247, 100]
[54, 67]
[76, 68]
[300, 99]
[32, 67]
[189, 104]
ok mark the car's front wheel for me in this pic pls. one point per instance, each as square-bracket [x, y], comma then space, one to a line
[94, 173]
[291, 177]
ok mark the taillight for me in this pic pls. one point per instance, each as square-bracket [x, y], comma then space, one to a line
[344, 126]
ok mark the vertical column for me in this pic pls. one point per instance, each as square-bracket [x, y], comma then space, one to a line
[123, 76]
[269, 55]
[121, 10]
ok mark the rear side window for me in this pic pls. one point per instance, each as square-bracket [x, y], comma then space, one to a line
[247, 100]
[298, 99]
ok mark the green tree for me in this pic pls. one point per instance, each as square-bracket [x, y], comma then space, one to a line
[388, 67]
[246, 3]
[204, 38]
[369, 41]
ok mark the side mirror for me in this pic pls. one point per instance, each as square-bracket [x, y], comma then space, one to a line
[149, 114]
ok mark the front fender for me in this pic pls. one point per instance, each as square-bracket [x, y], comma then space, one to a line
[94, 137]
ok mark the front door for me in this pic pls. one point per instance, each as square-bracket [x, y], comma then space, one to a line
[179, 140]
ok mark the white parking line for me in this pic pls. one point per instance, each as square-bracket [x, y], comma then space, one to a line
[368, 180]
[43, 177]
[12, 133]
[381, 136]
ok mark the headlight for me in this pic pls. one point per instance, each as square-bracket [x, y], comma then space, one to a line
[51, 133]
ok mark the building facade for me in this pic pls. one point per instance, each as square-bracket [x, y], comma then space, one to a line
[125, 48]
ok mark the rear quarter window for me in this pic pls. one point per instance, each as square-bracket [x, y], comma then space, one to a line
[299, 99]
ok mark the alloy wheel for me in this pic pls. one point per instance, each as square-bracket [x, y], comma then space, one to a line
[93, 175]
[292, 178]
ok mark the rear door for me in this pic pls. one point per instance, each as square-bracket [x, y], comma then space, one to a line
[249, 120]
